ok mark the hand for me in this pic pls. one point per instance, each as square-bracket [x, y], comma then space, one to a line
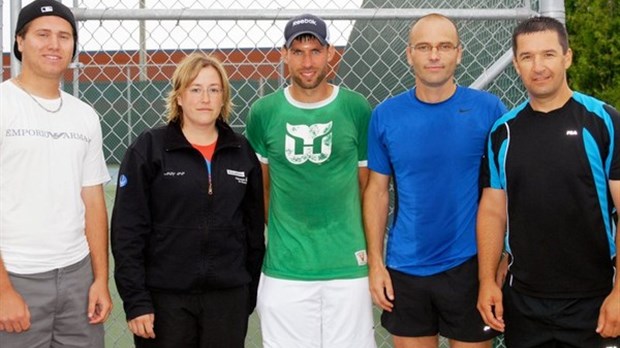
[143, 325]
[14, 313]
[381, 287]
[609, 316]
[99, 302]
[490, 305]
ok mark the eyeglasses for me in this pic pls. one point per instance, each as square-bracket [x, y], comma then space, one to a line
[443, 47]
[211, 91]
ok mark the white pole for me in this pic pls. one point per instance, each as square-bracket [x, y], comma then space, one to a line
[16, 6]
[553, 8]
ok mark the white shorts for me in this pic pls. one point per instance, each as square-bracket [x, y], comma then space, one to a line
[322, 314]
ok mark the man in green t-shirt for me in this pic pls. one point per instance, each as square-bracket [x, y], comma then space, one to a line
[311, 140]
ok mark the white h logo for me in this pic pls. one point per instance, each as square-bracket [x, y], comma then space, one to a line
[314, 141]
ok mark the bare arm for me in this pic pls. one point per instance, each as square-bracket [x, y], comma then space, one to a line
[254, 217]
[99, 302]
[266, 186]
[362, 173]
[14, 313]
[376, 203]
[609, 316]
[491, 228]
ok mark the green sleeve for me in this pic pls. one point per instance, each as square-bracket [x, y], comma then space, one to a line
[363, 119]
[255, 130]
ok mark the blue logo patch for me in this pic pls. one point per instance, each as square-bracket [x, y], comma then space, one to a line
[122, 181]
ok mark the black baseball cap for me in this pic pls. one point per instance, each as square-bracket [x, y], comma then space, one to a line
[40, 8]
[306, 24]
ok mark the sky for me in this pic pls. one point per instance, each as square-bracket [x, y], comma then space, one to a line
[113, 35]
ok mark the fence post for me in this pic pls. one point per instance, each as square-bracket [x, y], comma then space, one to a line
[129, 104]
[554, 9]
[76, 66]
[16, 6]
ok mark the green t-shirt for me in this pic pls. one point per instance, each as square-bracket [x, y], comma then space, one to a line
[313, 151]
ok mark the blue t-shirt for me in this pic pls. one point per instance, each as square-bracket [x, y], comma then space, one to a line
[433, 152]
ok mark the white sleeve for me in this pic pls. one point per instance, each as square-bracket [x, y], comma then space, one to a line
[95, 169]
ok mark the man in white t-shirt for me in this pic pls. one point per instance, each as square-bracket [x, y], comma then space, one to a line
[53, 223]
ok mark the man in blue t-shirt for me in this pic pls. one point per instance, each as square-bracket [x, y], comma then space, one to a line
[430, 141]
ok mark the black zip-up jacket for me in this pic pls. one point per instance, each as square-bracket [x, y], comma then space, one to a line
[176, 231]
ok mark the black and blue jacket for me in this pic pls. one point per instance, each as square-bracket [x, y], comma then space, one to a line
[174, 230]
[555, 168]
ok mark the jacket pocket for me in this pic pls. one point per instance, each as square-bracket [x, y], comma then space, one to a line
[173, 260]
[226, 254]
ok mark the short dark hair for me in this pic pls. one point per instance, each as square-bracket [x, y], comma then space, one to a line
[538, 24]
[23, 31]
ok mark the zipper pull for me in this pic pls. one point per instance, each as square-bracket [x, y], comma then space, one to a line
[210, 186]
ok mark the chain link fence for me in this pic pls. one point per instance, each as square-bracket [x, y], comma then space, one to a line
[129, 49]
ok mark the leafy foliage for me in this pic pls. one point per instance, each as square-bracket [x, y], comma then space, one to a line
[594, 33]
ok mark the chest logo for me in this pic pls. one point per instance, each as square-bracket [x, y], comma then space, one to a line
[308, 143]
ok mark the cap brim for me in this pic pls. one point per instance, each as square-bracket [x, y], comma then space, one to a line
[318, 37]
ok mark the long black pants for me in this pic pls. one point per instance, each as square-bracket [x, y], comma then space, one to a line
[214, 319]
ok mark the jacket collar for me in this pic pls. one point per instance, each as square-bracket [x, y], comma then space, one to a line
[174, 138]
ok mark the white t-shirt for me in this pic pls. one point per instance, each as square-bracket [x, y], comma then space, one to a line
[45, 160]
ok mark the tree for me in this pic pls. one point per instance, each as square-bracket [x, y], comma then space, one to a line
[594, 33]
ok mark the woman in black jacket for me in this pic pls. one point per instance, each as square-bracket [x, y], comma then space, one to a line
[188, 220]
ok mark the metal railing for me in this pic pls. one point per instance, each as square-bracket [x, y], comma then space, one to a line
[128, 50]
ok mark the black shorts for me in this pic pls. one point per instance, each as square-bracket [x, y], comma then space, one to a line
[443, 303]
[552, 323]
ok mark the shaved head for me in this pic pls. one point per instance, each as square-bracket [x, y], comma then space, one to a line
[415, 27]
